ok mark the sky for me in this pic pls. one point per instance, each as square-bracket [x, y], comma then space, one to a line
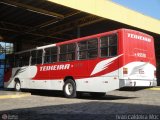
[147, 7]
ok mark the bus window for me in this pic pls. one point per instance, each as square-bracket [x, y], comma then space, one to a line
[108, 45]
[113, 45]
[82, 50]
[25, 58]
[67, 52]
[33, 54]
[39, 56]
[63, 51]
[88, 49]
[36, 57]
[53, 54]
[50, 55]
[47, 55]
[18, 60]
[92, 48]
[71, 52]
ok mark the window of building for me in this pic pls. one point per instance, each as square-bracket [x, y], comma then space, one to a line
[108, 45]
[6, 48]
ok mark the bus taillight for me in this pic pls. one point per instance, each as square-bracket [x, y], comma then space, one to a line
[125, 70]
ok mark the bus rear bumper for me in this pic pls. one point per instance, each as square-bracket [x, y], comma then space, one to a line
[138, 83]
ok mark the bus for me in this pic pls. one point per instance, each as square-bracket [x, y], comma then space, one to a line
[95, 64]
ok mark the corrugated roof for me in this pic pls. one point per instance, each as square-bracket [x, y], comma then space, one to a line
[24, 19]
[50, 22]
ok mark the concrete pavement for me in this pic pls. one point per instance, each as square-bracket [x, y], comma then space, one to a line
[12, 94]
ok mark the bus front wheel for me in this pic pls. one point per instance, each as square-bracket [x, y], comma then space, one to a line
[69, 88]
[17, 86]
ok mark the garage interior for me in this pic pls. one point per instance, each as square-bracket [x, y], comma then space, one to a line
[28, 24]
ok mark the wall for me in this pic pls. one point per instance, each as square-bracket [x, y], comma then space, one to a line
[2, 65]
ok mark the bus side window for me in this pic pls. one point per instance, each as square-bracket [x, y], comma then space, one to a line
[50, 55]
[36, 57]
[67, 52]
[104, 46]
[39, 54]
[54, 54]
[71, 51]
[63, 51]
[25, 58]
[47, 55]
[88, 49]
[82, 50]
[93, 48]
[33, 55]
[113, 45]
[108, 45]
[22, 59]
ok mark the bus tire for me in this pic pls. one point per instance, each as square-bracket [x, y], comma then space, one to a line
[97, 94]
[69, 88]
[17, 86]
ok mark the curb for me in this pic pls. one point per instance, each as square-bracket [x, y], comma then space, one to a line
[154, 88]
[15, 96]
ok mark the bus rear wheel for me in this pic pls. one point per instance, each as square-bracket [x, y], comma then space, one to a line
[69, 88]
[17, 86]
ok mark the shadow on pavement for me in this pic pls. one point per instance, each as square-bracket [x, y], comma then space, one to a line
[86, 96]
[94, 110]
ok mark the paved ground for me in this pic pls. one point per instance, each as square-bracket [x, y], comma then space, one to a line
[11, 94]
[46, 105]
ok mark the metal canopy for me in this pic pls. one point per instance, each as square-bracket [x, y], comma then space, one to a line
[109, 10]
[43, 22]
[40, 21]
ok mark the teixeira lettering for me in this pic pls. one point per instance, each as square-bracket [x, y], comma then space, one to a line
[55, 67]
[139, 37]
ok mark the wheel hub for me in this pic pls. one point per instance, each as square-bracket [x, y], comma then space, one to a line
[69, 89]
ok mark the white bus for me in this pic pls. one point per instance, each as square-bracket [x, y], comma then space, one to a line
[96, 64]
